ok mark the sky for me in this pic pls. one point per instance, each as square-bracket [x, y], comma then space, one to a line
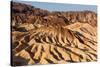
[60, 6]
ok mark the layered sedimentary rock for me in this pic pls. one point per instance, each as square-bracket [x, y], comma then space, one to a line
[42, 37]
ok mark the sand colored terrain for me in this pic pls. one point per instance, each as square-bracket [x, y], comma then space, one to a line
[43, 37]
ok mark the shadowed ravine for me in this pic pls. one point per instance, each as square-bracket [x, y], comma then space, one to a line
[43, 37]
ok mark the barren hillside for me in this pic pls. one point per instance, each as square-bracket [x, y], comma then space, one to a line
[42, 37]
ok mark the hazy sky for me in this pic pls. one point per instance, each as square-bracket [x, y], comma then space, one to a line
[60, 6]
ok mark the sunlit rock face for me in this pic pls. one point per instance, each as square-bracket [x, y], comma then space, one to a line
[43, 37]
